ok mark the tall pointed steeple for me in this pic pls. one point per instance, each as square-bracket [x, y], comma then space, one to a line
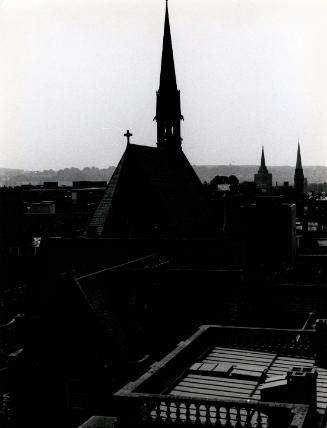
[298, 157]
[167, 73]
[263, 178]
[263, 169]
[298, 175]
[168, 111]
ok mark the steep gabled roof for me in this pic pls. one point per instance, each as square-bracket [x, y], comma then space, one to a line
[102, 212]
[153, 192]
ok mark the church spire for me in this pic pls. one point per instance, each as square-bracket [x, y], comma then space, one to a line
[263, 169]
[298, 157]
[263, 178]
[298, 175]
[167, 73]
[168, 111]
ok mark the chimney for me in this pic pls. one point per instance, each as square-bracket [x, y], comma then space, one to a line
[302, 385]
[298, 386]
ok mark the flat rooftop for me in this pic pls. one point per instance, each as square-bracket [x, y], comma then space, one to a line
[231, 373]
[215, 378]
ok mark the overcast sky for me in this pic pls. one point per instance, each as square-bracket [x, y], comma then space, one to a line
[75, 74]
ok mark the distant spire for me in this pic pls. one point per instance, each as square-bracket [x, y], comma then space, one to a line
[263, 162]
[298, 175]
[263, 178]
[263, 169]
[298, 157]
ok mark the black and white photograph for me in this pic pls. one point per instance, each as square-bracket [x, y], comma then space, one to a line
[163, 213]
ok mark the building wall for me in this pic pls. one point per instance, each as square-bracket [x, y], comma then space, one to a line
[263, 181]
[270, 233]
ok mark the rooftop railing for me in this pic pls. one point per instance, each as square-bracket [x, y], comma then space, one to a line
[151, 410]
[290, 342]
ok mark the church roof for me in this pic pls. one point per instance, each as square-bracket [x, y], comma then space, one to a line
[153, 192]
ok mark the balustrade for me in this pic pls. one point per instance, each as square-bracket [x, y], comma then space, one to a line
[285, 342]
[177, 411]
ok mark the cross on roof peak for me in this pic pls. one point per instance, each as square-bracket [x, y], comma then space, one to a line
[128, 135]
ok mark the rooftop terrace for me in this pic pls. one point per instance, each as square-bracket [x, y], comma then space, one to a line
[234, 377]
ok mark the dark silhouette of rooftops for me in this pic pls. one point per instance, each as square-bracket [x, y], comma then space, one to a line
[153, 193]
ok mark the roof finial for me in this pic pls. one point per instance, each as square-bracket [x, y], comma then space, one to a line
[128, 135]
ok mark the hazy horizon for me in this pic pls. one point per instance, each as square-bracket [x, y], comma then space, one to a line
[234, 165]
[76, 74]
[281, 174]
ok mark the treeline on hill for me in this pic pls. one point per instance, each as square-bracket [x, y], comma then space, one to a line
[63, 176]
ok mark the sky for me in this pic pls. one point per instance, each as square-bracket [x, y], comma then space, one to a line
[76, 74]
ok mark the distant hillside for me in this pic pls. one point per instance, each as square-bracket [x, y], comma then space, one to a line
[15, 177]
[63, 176]
[8, 172]
[314, 174]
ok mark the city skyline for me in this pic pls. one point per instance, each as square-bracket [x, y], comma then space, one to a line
[77, 74]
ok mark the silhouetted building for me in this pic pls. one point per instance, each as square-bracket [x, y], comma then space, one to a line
[263, 178]
[52, 210]
[154, 192]
[270, 227]
[11, 219]
[299, 185]
[298, 175]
